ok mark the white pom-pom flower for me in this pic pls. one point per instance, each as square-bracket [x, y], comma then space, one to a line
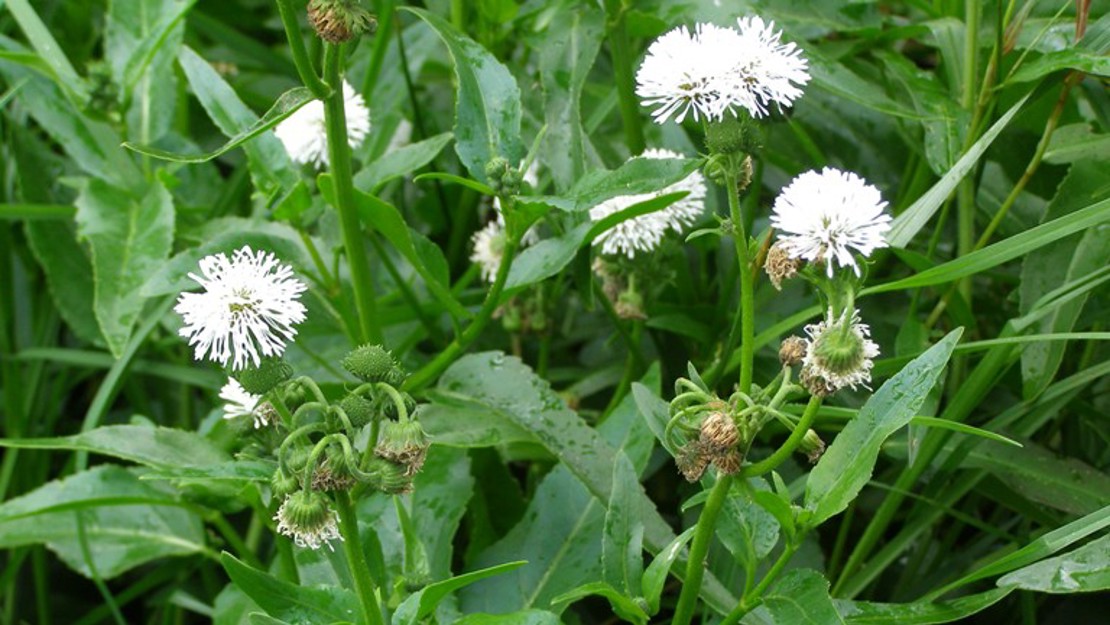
[304, 133]
[828, 216]
[306, 517]
[644, 233]
[248, 309]
[716, 70]
[240, 403]
[488, 248]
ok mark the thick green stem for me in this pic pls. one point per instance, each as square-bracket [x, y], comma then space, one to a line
[300, 54]
[620, 50]
[771, 462]
[360, 570]
[339, 153]
[965, 198]
[695, 566]
[493, 299]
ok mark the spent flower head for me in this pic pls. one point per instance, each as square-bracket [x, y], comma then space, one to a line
[306, 517]
[839, 352]
[240, 403]
[826, 216]
[304, 133]
[717, 70]
[248, 309]
[644, 233]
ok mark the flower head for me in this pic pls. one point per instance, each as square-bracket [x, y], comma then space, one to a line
[248, 308]
[304, 133]
[839, 353]
[824, 217]
[489, 247]
[644, 233]
[716, 70]
[240, 403]
[306, 517]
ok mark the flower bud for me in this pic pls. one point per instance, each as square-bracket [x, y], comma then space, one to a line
[728, 463]
[780, 266]
[630, 305]
[339, 21]
[283, 484]
[262, 379]
[840, 352]
[359, 410]
[404, 443]
[392, 478]
[496, 169]
[373, 363]
[792, 351]
[294, 395]
[692, 461]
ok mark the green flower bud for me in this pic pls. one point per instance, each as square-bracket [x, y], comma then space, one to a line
[294, 395]
[359, 410]
[372, 363]
[283, 484]
[306, 517]
[262, 379]
[495, 171]
[733, 136]
[813, 446]
[392, 478]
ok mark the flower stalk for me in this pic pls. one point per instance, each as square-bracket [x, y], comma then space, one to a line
[356, 560]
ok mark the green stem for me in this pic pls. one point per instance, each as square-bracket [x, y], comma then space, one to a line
[360, 570]
[771, 462]
[620, 50]
[695, 566]
[300, 53]
[755, 597]
[965, 198]
[340, 156]
[493, 299]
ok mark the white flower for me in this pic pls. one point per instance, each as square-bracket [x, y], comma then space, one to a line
[305, 517]
[644, 233]
[765, 70]
[823, 217]
[839, 352]
[248, 308]
[489, 247]
[718, 69]
[240, 403]
[304, 133]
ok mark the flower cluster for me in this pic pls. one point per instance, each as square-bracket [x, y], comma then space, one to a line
[249, 308]
[304, 133]
[645, 232]
[717, 70]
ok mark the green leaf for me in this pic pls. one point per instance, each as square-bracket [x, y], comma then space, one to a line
[1011, 248]
[286, 104]
[386, 219]
[622, 606]
[458, 422]
[748, 530]
[833, 77]
[291, 602]
[914, 218]
[655, 576]
[1077, 59]
[48, 49]
[622, 552]
[157, 447]
[69, 275]
[126, 522]
[400, 162]
[801, 597]
[846, 466]
[567, 52]
[487, 109]
[637, 176]
[523, 617]
[918, 612]
[1039, 475]
[1045, 269]
[129, 238]
[270, 165]
[1076, 142]
[1086, 569]
[421, 604]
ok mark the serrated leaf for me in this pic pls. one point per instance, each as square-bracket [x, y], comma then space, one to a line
[156, 447]
[846, 466]
[291, 602]
[801, 597]
[129, 238]
[487, 108]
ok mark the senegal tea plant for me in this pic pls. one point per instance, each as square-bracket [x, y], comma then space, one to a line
[572, 312]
